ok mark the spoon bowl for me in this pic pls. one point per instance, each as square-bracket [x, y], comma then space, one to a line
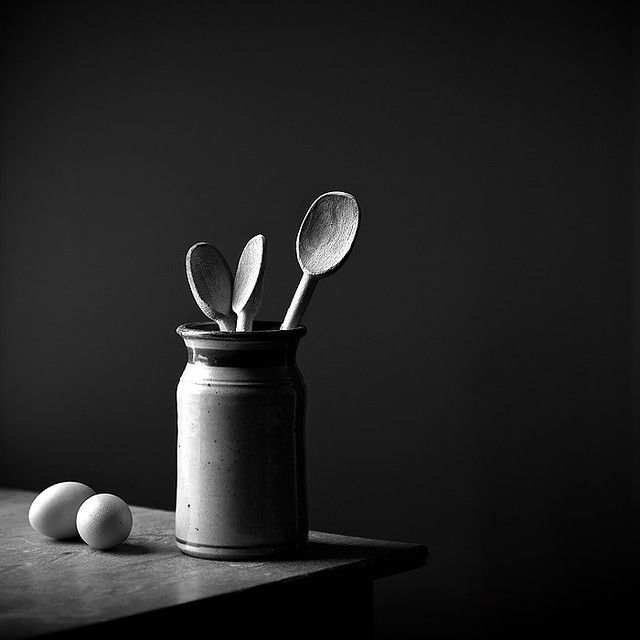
[327, 233]
[211, 283]
[248, 282]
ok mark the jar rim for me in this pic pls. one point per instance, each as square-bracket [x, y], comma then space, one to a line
[262, 330]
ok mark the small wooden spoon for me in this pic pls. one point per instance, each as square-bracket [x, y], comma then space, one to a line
[211, 283]
[248, 283]
[324, 242]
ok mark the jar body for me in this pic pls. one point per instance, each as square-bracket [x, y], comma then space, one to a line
[241, 477]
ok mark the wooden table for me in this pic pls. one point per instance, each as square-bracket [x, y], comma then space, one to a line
[148, 586]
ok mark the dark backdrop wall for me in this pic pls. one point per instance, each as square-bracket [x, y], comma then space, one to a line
[468, 369]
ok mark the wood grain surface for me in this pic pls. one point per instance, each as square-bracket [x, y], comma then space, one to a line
[48, 586]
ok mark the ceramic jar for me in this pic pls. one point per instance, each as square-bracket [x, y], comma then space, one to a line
[241, 477]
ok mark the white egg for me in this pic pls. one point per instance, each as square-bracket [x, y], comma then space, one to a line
[104, 521]
[53, 511]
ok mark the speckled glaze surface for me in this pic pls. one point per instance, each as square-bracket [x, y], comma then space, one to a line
[241, 481]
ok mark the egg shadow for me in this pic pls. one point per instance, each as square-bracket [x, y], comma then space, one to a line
[129, 549]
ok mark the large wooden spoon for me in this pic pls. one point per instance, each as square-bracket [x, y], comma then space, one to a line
[211, 283]
[324, 241]
[248, 283]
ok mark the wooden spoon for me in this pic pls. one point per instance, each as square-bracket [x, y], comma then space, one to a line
[324, 241]
[248, 283]
[211, 283]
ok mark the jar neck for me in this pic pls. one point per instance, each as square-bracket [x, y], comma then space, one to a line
[241, 355]
[265, 346]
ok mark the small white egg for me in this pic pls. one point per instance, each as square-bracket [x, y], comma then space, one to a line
[104, 521]
[53, 511]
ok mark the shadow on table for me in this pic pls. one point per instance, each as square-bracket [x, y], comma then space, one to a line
[130, 549]
[370, 559]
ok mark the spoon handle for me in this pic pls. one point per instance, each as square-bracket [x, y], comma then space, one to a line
[299, 301]
[226, 323]
[245, 321]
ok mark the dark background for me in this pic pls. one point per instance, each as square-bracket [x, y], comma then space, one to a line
[470, 370]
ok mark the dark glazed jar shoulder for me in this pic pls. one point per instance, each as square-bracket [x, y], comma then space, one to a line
[267, 345]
